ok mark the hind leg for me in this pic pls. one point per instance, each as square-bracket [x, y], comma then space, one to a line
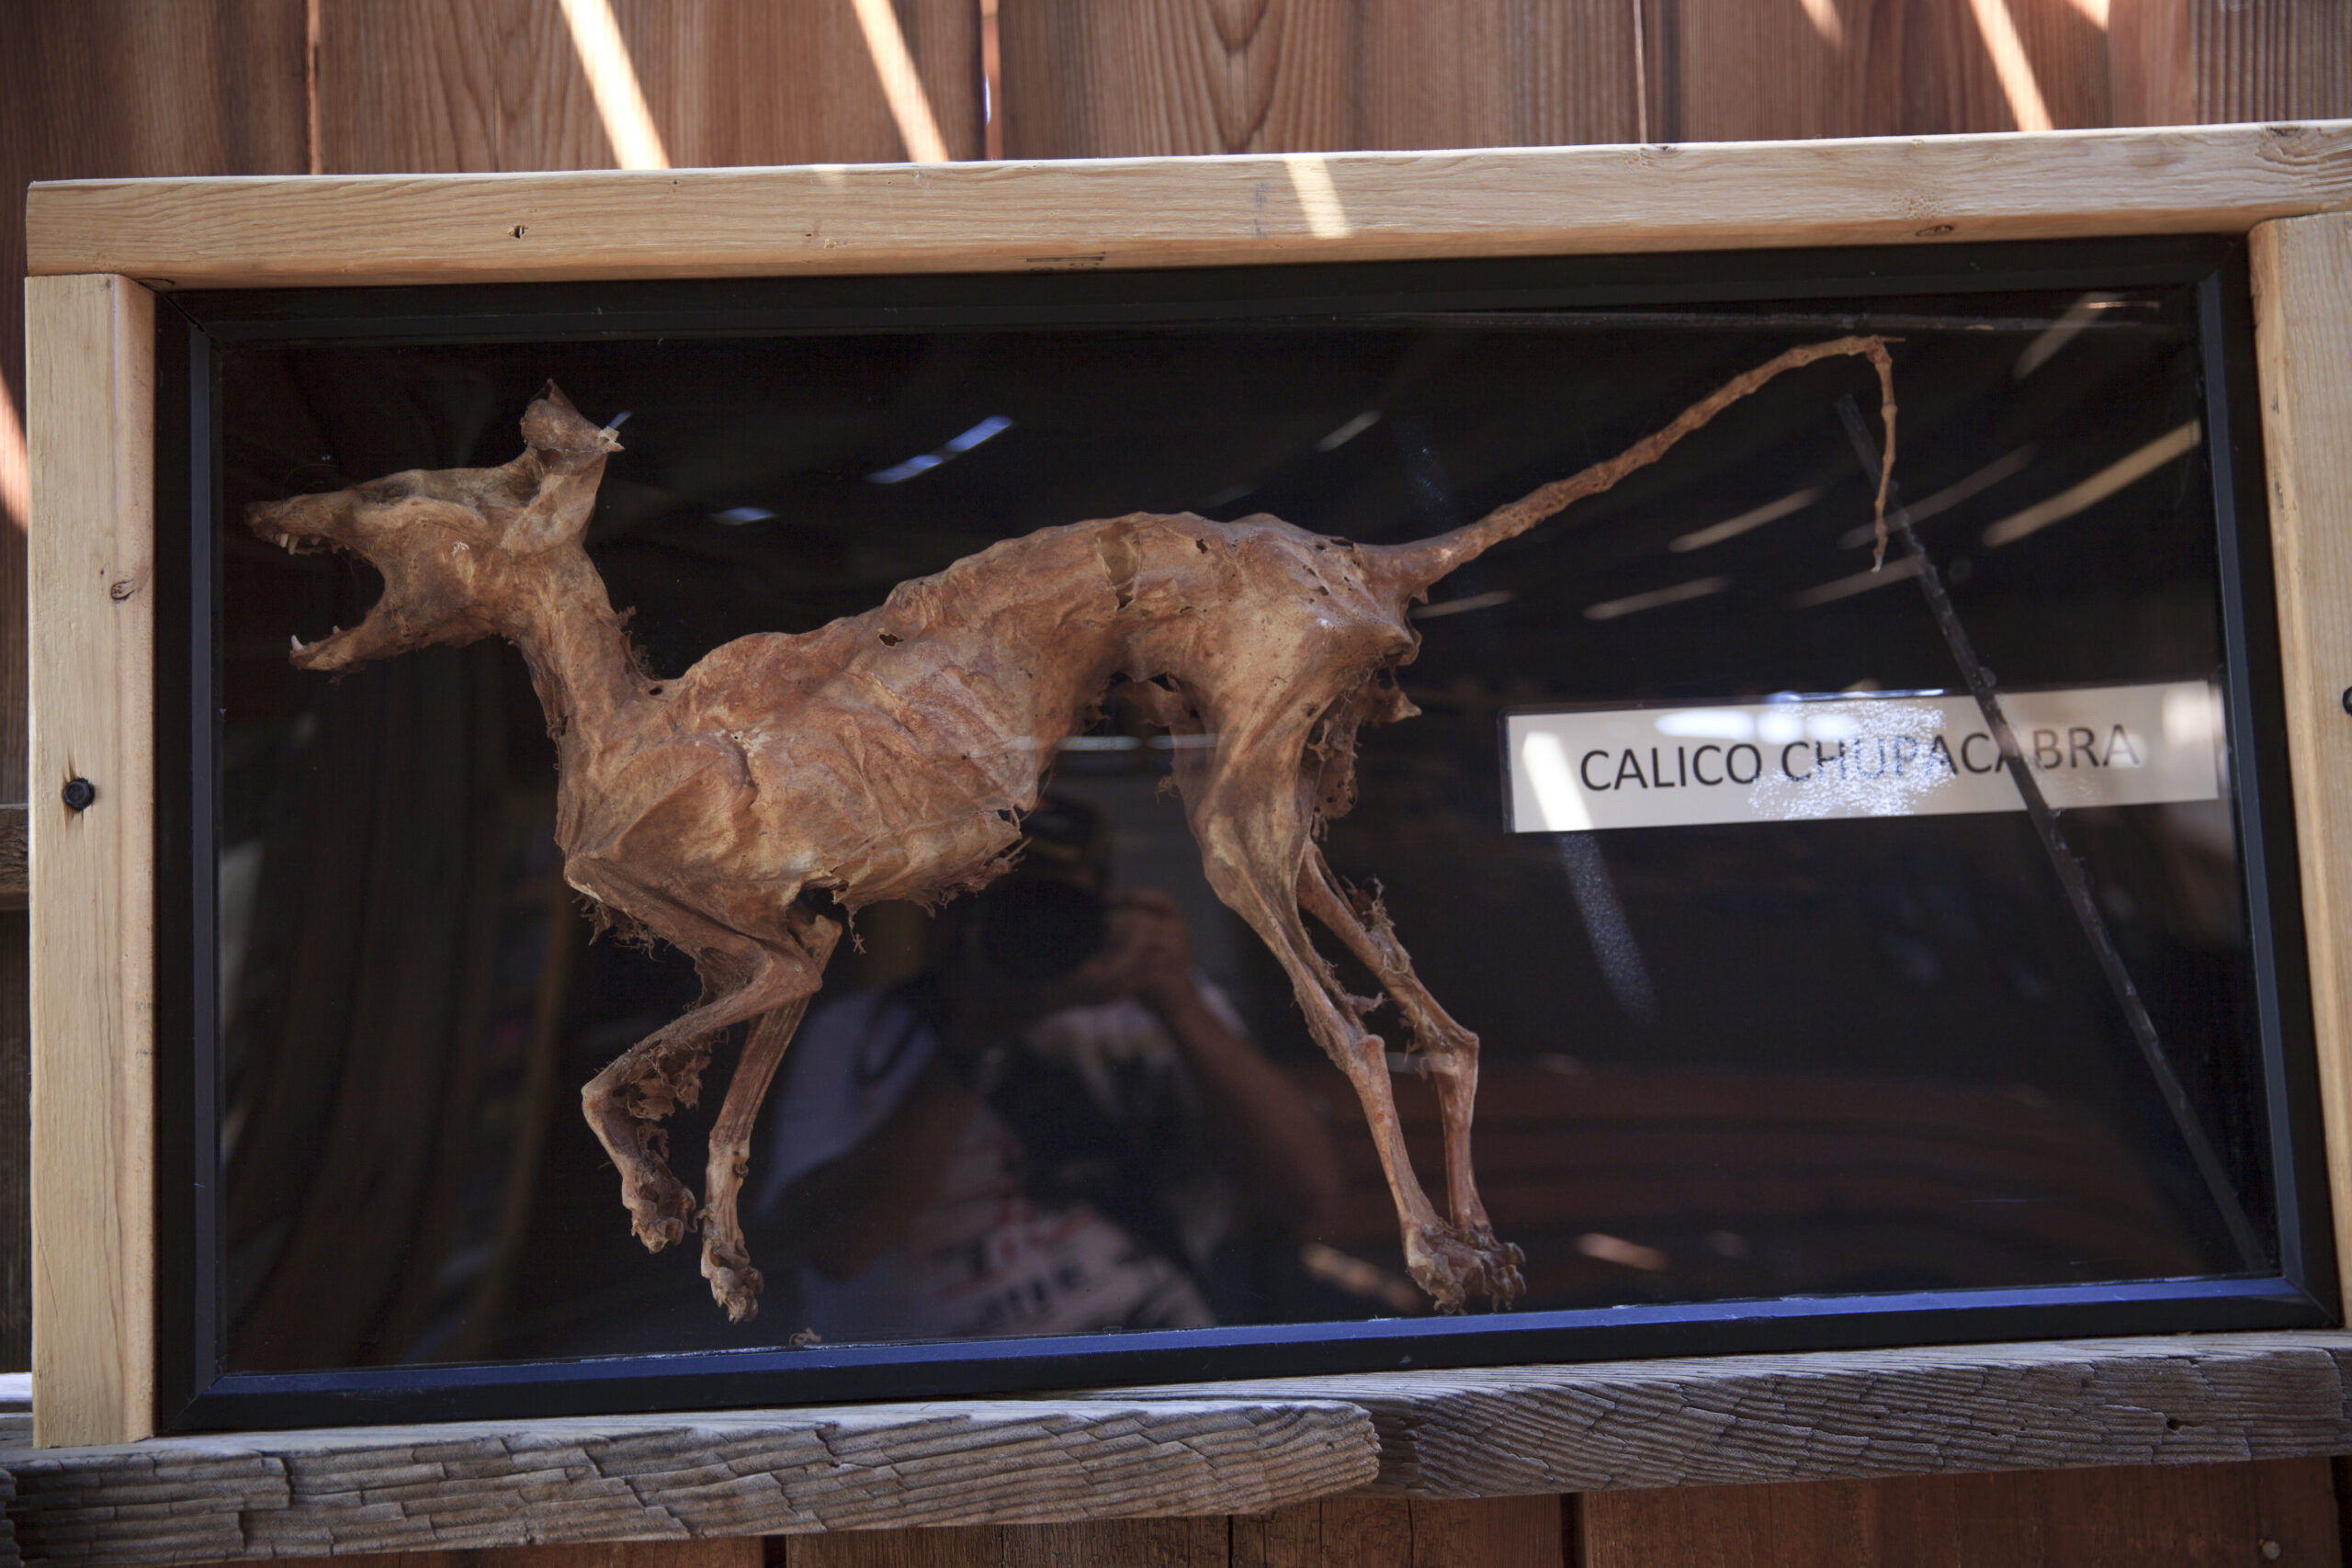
[1250, 820]
[1449, 1052]
[726, 1261]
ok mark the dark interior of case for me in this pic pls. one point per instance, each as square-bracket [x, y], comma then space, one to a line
[1870, 1059]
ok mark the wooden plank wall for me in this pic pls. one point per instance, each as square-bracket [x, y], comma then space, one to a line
[252, 87]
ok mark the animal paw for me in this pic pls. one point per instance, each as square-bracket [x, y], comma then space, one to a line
[1451, 1266]
[734, 1283]
[1504, 1283]
[661, 1210]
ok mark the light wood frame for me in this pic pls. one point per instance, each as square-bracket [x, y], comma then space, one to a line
[100, 249]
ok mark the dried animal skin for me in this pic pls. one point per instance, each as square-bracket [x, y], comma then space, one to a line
[891, 755]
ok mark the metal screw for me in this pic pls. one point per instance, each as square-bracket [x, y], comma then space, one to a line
[2272, 1551]
[79, 794]
[2347, 699]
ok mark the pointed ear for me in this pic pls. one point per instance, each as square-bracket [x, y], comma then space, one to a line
[562, 437]
[569, 452]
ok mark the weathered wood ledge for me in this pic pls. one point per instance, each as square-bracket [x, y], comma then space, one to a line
[2052, 1404]
[478, 1485]
[1210, 1448]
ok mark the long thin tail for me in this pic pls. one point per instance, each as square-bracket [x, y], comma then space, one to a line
[1412, 568]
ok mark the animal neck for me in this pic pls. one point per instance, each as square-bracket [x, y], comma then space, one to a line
[581, 667]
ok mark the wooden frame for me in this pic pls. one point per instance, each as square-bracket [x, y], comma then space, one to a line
[97, 248]
[1229, 1447]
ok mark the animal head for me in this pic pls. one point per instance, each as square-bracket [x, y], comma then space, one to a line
[452, 544]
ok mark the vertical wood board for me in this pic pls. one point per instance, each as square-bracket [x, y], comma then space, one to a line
[478, 86]
[735, 1551]
[2302, 298]
[92, 379]
[2267, 59]
[1731, 69]
[2278, 1511]
[1420, 1533]
[948, 1546]
[1151, 77]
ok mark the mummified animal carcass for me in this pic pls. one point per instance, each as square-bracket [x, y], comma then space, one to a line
[891, 755]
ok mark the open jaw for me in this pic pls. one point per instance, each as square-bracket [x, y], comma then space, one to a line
[295, 528]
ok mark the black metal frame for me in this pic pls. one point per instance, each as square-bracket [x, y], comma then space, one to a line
[192, 1391]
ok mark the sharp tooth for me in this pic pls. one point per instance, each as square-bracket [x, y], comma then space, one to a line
[298, 644]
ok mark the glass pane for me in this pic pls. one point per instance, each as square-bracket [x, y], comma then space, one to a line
[1722, 1058]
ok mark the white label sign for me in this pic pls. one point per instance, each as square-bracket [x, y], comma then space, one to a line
[1899, 754]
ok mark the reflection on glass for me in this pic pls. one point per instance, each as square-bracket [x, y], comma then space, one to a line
[1050, 1128]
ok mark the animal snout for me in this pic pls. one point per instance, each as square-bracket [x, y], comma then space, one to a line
[294, 525]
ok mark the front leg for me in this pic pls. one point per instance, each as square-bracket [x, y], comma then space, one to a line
[726, 1260]
[625, 1104]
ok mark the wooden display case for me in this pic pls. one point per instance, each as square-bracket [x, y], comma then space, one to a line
[106, 257]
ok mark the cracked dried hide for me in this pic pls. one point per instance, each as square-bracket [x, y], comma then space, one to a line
[890, 755]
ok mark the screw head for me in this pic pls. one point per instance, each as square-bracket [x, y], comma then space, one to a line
[79, 794]
[2347, 699]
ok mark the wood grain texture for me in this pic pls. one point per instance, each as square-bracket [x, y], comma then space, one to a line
[966, 1546]
[16, 867]
[742, 1551]
[2152, 76]
[122, 88]
[2267, 59]
[2210, 1515]
[2189, 1399]
[1365, 1532]
[1157, 77]
[452, 87]
[16, 1140]
[92, 376]
[2302, 293]
[2188, 62]
[1130, 1543]
[1205, 76]
[479, 1486]
[1012, 216]
[1724, 70]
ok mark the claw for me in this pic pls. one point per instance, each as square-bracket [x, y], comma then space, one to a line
[661, 1212]
[1452, 1266]
[734, 1284]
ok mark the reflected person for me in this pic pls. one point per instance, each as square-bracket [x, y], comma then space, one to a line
[1051, 1130]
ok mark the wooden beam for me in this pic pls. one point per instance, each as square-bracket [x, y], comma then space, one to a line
[91, 362]
[2302, 296]
[1185, 212]
[198, 1499]
[2190, 1399]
